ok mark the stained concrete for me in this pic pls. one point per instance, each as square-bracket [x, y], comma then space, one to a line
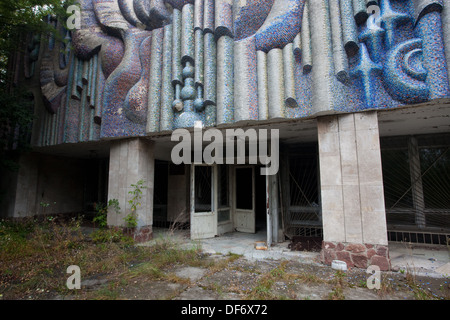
[191, 273]
[198, 293]
[43, 179]
[423, 260]
[131, 161]
[236, 243]
[240, 277]
[351, 179]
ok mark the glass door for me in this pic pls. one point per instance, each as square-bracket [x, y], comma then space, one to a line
[244, 211]
[203, 201]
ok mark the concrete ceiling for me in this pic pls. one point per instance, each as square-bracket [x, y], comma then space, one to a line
[422, 119]
[426, 118]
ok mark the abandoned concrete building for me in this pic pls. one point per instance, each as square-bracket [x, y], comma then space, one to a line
[357, 89]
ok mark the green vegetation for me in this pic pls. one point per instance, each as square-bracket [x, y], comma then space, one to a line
[111, 235]
[337, 293]
[27, 16]
[134, 202]
[35, 254]
[113, 206]
[16, 111]
[101, 212]
[263, 289]
[19, 20]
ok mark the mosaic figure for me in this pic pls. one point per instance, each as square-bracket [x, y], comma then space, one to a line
[141, 67]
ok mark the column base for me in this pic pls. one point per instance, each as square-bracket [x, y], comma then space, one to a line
[356, 255]
[141, 234]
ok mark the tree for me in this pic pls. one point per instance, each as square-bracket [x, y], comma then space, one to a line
[19, 18]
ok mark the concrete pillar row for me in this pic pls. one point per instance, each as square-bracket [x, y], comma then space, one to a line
[132, 160]
[352, 196]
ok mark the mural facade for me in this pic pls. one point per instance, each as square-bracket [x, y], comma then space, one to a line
[340, 75]
[143, 67]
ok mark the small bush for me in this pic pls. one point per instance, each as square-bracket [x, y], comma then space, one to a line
[131, 219]
[102, 212]
[110, 235]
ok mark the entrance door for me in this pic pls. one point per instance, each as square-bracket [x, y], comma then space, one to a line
[244, 211]
[203, 201]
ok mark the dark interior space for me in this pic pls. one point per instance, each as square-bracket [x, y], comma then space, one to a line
[160, 191]
[244, 188]
[260, 200]
[95, 186]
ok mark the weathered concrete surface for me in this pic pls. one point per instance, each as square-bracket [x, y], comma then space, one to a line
[43, 184]
[241, 278]
[131, 161]
[444, 270]
[423, 260]
[309, 279]
[191, 273]
[198, 293]
[155, 290]
[351, 179]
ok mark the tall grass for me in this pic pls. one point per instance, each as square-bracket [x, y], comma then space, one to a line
[34, 256]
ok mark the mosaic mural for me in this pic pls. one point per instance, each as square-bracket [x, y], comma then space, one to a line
[138, 67]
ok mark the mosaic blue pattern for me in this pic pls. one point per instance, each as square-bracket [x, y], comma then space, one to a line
[366, 70]
[411, 58]
[434, 63]
[250, 17]
[281, 27]
[139, 67]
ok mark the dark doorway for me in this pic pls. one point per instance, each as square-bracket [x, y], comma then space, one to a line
[95, 185]
[244, 188]
[260, 200]
[160, 191]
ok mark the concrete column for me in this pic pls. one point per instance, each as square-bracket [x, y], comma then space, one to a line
[268, 211]
[19, 189]
[353, 213]
[274, 206]
[56, 182]
[132, 160]
[416, 182]
[26, 198]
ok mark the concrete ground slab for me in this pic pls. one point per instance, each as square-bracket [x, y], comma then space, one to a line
[191, 273]
[424, 260]
[232, 280]
[444, 270]
[303, 291]
[155, 290]
[198, 293]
